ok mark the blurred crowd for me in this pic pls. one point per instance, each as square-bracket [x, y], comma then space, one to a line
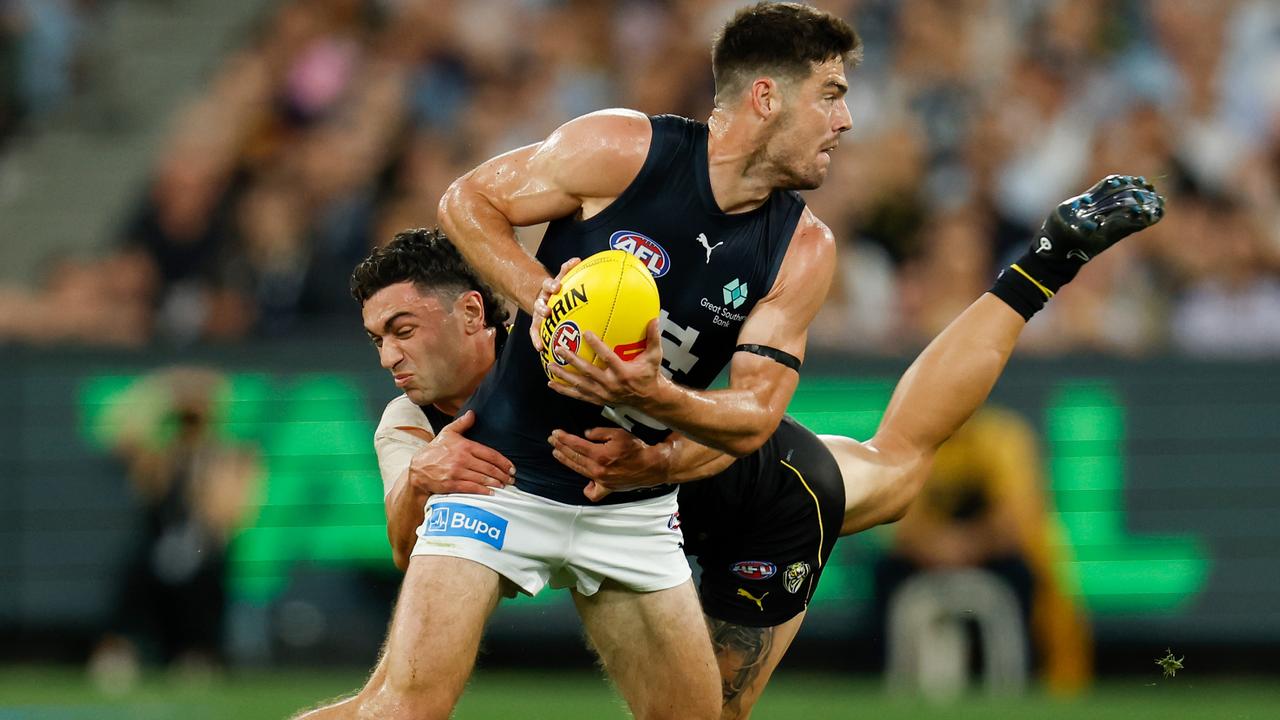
[341, 121]
[45, 48]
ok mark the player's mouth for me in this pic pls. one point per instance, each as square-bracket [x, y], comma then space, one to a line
[402, 380]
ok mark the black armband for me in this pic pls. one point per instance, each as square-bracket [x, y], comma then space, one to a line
[773, 354]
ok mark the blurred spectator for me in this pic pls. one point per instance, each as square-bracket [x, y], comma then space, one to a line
[194, 487]
[1230, 306]
[86, 301]
[985, 507]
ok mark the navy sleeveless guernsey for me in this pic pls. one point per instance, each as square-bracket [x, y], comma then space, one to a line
[711, 268]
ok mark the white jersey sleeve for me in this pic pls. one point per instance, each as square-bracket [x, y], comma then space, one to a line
[396, 446]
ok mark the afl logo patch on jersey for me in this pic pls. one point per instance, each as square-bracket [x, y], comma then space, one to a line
[568, 337]
[754, 569]
[643, 247]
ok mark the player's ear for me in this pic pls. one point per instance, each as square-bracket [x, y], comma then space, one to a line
[766, 98]
[470, 306]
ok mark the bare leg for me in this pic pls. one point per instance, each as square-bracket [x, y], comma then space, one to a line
[432, 645]
[747, 657]
[655, 648]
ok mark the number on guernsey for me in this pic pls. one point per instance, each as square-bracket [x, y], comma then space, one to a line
[677, 356]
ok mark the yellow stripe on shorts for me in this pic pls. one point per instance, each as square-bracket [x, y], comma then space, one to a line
[816, 504]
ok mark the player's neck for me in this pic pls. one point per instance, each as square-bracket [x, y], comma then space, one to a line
[740, 181]
[484, 352]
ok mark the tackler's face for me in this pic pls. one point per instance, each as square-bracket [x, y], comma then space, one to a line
[814, 116]
[420, 341]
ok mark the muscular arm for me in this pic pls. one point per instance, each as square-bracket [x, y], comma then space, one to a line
[404, 502]
[739, 419]
[581, 167]
[940, 391]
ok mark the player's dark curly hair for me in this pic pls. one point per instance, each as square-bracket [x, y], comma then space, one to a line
[427, 259]
[782, 38]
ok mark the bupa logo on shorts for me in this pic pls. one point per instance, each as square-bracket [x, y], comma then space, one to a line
[568, 338]
[754, 569]
[673, 522]
[458, 520]
[650, 252]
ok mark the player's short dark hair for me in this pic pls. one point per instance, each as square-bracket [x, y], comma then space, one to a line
[427, 259]
[778, 38]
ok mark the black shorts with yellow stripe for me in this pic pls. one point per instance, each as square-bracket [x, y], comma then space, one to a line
[763, 529]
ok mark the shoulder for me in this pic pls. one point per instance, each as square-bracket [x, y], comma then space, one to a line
[598, 154]
[812, 235]
[617, 132]
[402, 413]
[809, 262]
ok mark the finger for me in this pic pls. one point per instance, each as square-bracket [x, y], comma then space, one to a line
[568, 441]
[467, 473]
[596, 492]
[491, 457]
[493, 475]
[467, 487]
[577, 463]
[653, 338]
[604, 434]
[570, 391]
[461, 424]
[603, 352]
[575, 361]
[565, 267]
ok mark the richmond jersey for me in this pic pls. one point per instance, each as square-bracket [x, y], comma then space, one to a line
[711, 268]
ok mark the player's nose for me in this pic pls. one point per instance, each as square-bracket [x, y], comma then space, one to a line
[843, 120]
[389, 355]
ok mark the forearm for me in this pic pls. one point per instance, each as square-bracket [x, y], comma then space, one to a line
[406, 507]
[487, 239]
[951, 378]
[735, 420]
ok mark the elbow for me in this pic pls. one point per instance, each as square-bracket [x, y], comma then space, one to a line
[451, 205]
[744, 445]
[400, 556]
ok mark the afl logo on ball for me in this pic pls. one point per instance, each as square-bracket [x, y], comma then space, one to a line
[568, 337]
[649, 252]
[754, 569]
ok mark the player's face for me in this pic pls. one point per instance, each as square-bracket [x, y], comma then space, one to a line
[813, 117]
[419, 341]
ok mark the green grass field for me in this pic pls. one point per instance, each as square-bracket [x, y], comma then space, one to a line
[46, 694]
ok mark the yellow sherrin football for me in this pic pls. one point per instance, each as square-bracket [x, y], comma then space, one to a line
[613, 295]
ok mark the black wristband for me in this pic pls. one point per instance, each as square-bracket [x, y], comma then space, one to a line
[1028, 283]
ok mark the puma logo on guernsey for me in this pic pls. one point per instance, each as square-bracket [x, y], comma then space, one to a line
[702, 238]
[759, 601]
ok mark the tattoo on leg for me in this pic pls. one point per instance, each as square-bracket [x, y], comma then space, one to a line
[741, 653]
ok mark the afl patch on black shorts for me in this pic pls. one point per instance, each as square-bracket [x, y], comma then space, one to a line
[763, 529]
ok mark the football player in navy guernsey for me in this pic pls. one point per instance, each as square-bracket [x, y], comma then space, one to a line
[651, 186]
[762, 526]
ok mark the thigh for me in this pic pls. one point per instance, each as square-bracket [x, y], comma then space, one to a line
[655, 647]
[747, 657]
[434, 637]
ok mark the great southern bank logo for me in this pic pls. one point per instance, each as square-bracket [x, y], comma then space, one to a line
[650, 252]
[735, 293]
[458, 520]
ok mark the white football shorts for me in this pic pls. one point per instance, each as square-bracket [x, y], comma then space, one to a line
[533, 541]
